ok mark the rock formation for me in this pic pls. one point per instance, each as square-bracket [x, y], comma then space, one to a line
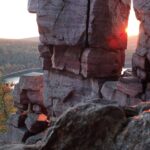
[31, 116]
[96, 125]
[134, 86]
[82, 45]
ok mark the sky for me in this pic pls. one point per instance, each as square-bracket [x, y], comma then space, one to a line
[16, 22]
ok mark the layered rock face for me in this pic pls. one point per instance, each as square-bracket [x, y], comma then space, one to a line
[134, 86]
[82, 44]
[141, 58]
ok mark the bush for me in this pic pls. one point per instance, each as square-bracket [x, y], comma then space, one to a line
[6, 104]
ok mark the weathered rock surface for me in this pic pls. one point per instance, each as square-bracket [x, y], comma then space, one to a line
[67, 58]
[63, 91]
[61, 22]
[101, 23]
[126, 93]
[136, 135]
[87, 126]
[46, 52]
[131, 86]
[141, 61]
[99, 63]
[107, 23]
[31, 81]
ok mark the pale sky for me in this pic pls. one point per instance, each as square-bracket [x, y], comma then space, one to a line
[16, 22]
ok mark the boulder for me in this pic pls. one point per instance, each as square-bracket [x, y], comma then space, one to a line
[86, 126]
[136, 135]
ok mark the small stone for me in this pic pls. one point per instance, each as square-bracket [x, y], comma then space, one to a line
[37, 109]
[108, 90]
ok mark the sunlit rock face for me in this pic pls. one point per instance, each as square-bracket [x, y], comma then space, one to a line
[99, 25]
[141, 58]
[82, 44]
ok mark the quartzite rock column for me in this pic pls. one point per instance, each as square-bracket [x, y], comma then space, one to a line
[82, 43]
[141, 58]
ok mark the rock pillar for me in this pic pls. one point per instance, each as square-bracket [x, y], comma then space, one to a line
[82, 44]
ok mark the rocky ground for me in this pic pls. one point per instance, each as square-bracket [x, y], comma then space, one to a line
[97, 125]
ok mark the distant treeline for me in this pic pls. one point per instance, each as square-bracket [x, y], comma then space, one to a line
[16, 55]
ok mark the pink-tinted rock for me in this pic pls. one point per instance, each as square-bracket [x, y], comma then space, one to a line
[99, 63]
[31, 81]
[130, 85]
[107, 24]
[67, 58]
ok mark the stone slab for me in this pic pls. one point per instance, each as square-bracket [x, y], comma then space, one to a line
[67, 58]
[99, 63]
[131, 86]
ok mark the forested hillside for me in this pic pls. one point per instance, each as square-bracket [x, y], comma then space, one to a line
[16, 55]
[22, 54]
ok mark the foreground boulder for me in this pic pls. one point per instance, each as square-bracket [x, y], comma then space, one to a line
[86, 127]
[136, 136]
[97, 125]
